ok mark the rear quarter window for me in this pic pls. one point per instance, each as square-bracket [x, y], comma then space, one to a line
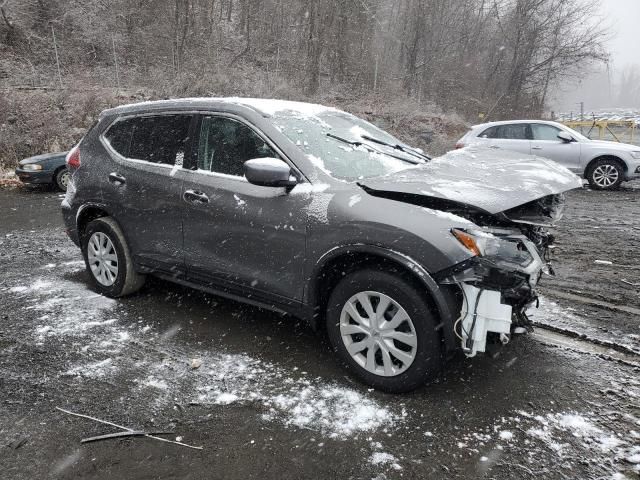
[119, 136]
[512, 131]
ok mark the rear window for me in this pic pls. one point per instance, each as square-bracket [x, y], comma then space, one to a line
[156, 139]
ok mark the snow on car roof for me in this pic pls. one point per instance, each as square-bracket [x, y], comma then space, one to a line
[262, 105]
[506, 122]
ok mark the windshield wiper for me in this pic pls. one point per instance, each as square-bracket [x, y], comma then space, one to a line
[356, 143]
[407, 150]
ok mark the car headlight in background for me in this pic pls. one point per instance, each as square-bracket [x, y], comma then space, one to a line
[636, 155]
[34, 167]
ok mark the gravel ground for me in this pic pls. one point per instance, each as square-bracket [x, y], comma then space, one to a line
[264, 398]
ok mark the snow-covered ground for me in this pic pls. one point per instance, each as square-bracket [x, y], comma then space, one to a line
[104, 337]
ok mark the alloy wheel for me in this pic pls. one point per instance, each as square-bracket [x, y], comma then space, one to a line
[378, 333]
[605, 175]
[103, 259]
[64, 180]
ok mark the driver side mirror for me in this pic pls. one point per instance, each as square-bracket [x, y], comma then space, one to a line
[269, 172]
[565, 137]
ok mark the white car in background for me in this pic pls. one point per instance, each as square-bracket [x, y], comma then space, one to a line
[604, 164]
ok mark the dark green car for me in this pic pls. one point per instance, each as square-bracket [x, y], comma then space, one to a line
[49, 168]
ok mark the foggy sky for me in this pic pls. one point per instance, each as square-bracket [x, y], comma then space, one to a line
[624, 16]
[602, 88]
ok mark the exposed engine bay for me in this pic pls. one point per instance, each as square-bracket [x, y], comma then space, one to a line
[512, 251]
[511, 200]
[499, 283]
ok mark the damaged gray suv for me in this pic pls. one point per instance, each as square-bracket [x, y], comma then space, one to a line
[304, 209]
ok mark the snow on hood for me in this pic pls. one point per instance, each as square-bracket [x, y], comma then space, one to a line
[488, 179]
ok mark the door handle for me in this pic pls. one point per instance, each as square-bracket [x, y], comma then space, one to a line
[536, 148]
[192, 196]
[495, 147]
[117, 179]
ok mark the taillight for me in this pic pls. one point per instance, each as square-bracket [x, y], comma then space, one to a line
[459, 145]
[73, 158]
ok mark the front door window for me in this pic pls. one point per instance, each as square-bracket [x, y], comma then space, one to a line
[225, 144]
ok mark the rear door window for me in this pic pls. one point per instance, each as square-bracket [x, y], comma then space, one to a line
[225, 144]
[161, 139]
[542, 131]
[511, 131]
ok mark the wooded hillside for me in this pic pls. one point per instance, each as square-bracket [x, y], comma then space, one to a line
[498, 58]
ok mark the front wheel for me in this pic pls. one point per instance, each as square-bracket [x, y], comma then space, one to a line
[605, 174]
[382, 328]
[108, 260]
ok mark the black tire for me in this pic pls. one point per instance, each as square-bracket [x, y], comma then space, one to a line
[127, 280]
[596, 178]
[428, 355]
[62, 178]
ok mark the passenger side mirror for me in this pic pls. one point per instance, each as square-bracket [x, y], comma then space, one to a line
[565, 137]
[269, 172]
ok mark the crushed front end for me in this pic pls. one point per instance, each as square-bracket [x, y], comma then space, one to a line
[498, 284]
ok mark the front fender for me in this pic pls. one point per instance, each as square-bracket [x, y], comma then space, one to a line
[443, 297]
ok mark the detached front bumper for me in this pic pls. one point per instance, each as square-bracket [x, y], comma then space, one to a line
[496, 293]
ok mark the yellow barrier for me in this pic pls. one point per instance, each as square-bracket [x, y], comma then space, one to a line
[619, 130]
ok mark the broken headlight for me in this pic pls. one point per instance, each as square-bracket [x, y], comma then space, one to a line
[510, 250]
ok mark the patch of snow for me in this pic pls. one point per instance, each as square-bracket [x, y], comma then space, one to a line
[226, 399]
[383, 458]
[305, 188]
[317, 161]
[98, 369]
[319, 207]
[272, 107]
[239, 201]
[447, 216]
[354, 199]
[339, 411]
[155, 383]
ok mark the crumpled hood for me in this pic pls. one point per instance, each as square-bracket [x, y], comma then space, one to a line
[487, 179]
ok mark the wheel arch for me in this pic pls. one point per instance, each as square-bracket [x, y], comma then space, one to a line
[88, 213]
[340, 261]
[57, 170]
[614, 158]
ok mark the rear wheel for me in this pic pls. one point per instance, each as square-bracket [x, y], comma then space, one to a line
[108, 260]
[605, 174]
[62, 178]
[382, 328]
